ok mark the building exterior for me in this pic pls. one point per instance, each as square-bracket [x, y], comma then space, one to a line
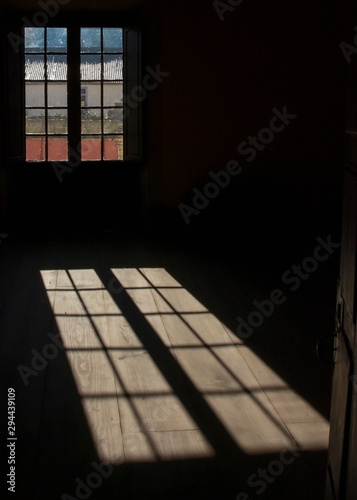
[46, 108]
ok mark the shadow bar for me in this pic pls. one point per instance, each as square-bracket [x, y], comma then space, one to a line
[213, 429]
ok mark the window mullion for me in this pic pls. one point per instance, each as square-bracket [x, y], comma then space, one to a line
[46, 94]
[101, 93]
[74, 95]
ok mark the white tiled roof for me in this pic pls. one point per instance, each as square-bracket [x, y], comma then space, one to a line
[113, 70]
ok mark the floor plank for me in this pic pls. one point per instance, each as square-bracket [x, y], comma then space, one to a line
[107, 397]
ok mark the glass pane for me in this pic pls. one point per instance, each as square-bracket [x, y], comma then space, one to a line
[91, 121]
[112, 40]
[113, 94]
[91, 148]
[57, 121]
[35, 94]
[57, 148]
[34, 68]
[56, 40]
[91, 68]
[57, 67]
[113, 121]
[113, 67]
[34, 39]
[35, 148]
[113, 147]
[90, 40]
[35, 121]
[57, 94]
[91, 94]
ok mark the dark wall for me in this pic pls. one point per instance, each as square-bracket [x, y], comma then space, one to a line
[225, 78]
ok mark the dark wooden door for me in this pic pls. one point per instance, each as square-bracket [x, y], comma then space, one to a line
[342, 456]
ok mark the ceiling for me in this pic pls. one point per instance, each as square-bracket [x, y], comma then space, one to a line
[74, 5]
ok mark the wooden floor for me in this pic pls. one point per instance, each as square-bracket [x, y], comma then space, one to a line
[131, 382]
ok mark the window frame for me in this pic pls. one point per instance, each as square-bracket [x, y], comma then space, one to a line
[75, 134]
[15, 145]
[45, 80]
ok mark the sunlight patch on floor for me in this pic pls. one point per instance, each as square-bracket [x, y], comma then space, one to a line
[132, 411]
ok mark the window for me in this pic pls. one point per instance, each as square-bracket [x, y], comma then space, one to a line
[74, 93]
[102, 74]
[46, 89]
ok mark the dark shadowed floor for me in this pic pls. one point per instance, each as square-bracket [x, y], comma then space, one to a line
[132, 383]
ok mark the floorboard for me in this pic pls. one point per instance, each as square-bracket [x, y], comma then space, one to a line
[141, 387]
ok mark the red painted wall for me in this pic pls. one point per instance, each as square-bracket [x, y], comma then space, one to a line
[225, 79]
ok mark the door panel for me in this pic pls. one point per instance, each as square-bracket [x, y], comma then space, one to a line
[352, 457]
[339, 416]
[342, 466]
[348, 247]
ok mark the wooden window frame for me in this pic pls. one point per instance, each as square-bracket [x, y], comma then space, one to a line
[132, 55]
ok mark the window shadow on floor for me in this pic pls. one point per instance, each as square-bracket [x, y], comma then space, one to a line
[57, 435]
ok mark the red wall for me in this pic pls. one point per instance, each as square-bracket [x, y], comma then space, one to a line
[225, 79]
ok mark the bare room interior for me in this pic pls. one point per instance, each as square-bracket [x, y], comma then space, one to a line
[178, 249]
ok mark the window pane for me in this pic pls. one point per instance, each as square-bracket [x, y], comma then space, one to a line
[90, 40]
[113, 67]
[112, 40]
[57, 121]
[57, 148]
[91, 94]
[34, 39]
[91, 68]
[113, 147]
[113, 121]
[57, 67]
[113, 94]
[47, 112]
[84, 96]
[34, 68]
[91, 121]
[35, 121]
[35, 148]
[35, 94]
[91, 148]
[56, 39]
[57, 94]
